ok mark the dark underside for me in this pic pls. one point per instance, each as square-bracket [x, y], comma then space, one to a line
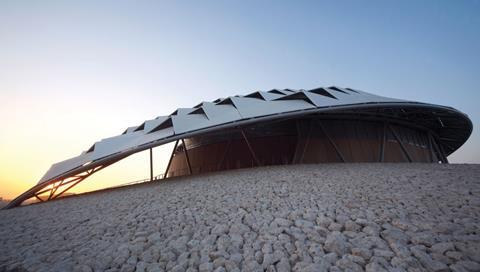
[311, 139]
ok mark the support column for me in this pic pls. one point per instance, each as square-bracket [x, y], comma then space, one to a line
[384, 140]
[151, 164]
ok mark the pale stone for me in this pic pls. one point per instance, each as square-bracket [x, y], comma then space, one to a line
[423, 238]
[470, 265]
[275, 218]
[283, 265]
[335, 226]
[351, 226]
[375, 267]
[220, 229]
[303, 223]
[336, 242]
[362, 252]
[205, 267]
[458, 268]
[427, 261]
[347, 264]
[383, 253]
[331, 257]
[393, 236]
[441, 248]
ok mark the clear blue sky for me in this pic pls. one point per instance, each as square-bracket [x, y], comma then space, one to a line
[73, 72]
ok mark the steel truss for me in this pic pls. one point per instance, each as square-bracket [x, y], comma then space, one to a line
[57, 188]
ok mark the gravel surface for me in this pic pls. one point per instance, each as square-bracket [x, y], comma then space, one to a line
[330, 217]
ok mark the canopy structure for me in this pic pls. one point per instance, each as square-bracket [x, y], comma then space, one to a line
[436, 132]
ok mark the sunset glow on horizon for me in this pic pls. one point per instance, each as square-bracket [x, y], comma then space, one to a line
[72, 74]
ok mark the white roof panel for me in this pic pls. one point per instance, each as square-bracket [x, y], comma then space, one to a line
[64, 166]
[190, 122]
[183, 111]
[270, 96]
[110, 146]
[253, 107]
[219, 114]
[130, 129]
[154, 136]
[151, 124]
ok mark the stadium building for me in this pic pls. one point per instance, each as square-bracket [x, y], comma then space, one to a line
[323, 125]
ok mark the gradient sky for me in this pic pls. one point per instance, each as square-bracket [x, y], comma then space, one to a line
[73, 72]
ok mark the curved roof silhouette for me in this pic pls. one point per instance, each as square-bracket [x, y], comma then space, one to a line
[452, 127]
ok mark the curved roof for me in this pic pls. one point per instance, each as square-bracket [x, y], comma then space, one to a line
[233, 109]
[450, 126]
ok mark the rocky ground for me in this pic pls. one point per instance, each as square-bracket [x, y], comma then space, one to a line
[331, 217]
[3, 203]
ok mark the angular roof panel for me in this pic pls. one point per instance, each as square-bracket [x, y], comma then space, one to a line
[251, 107]
[59, 168]
[219, 114]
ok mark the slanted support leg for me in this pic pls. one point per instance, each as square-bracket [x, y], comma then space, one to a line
[430, 148]
[250, 147]
[39, 190]
[78, 180]
[69, 187]
[297, 145]
[307, 141]
[445, 160]
[405, 151]
[439, 150]
[54, 189]
[227, 148]
[383, 142]
[170, 160]
[186, 157]
[337, 150]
